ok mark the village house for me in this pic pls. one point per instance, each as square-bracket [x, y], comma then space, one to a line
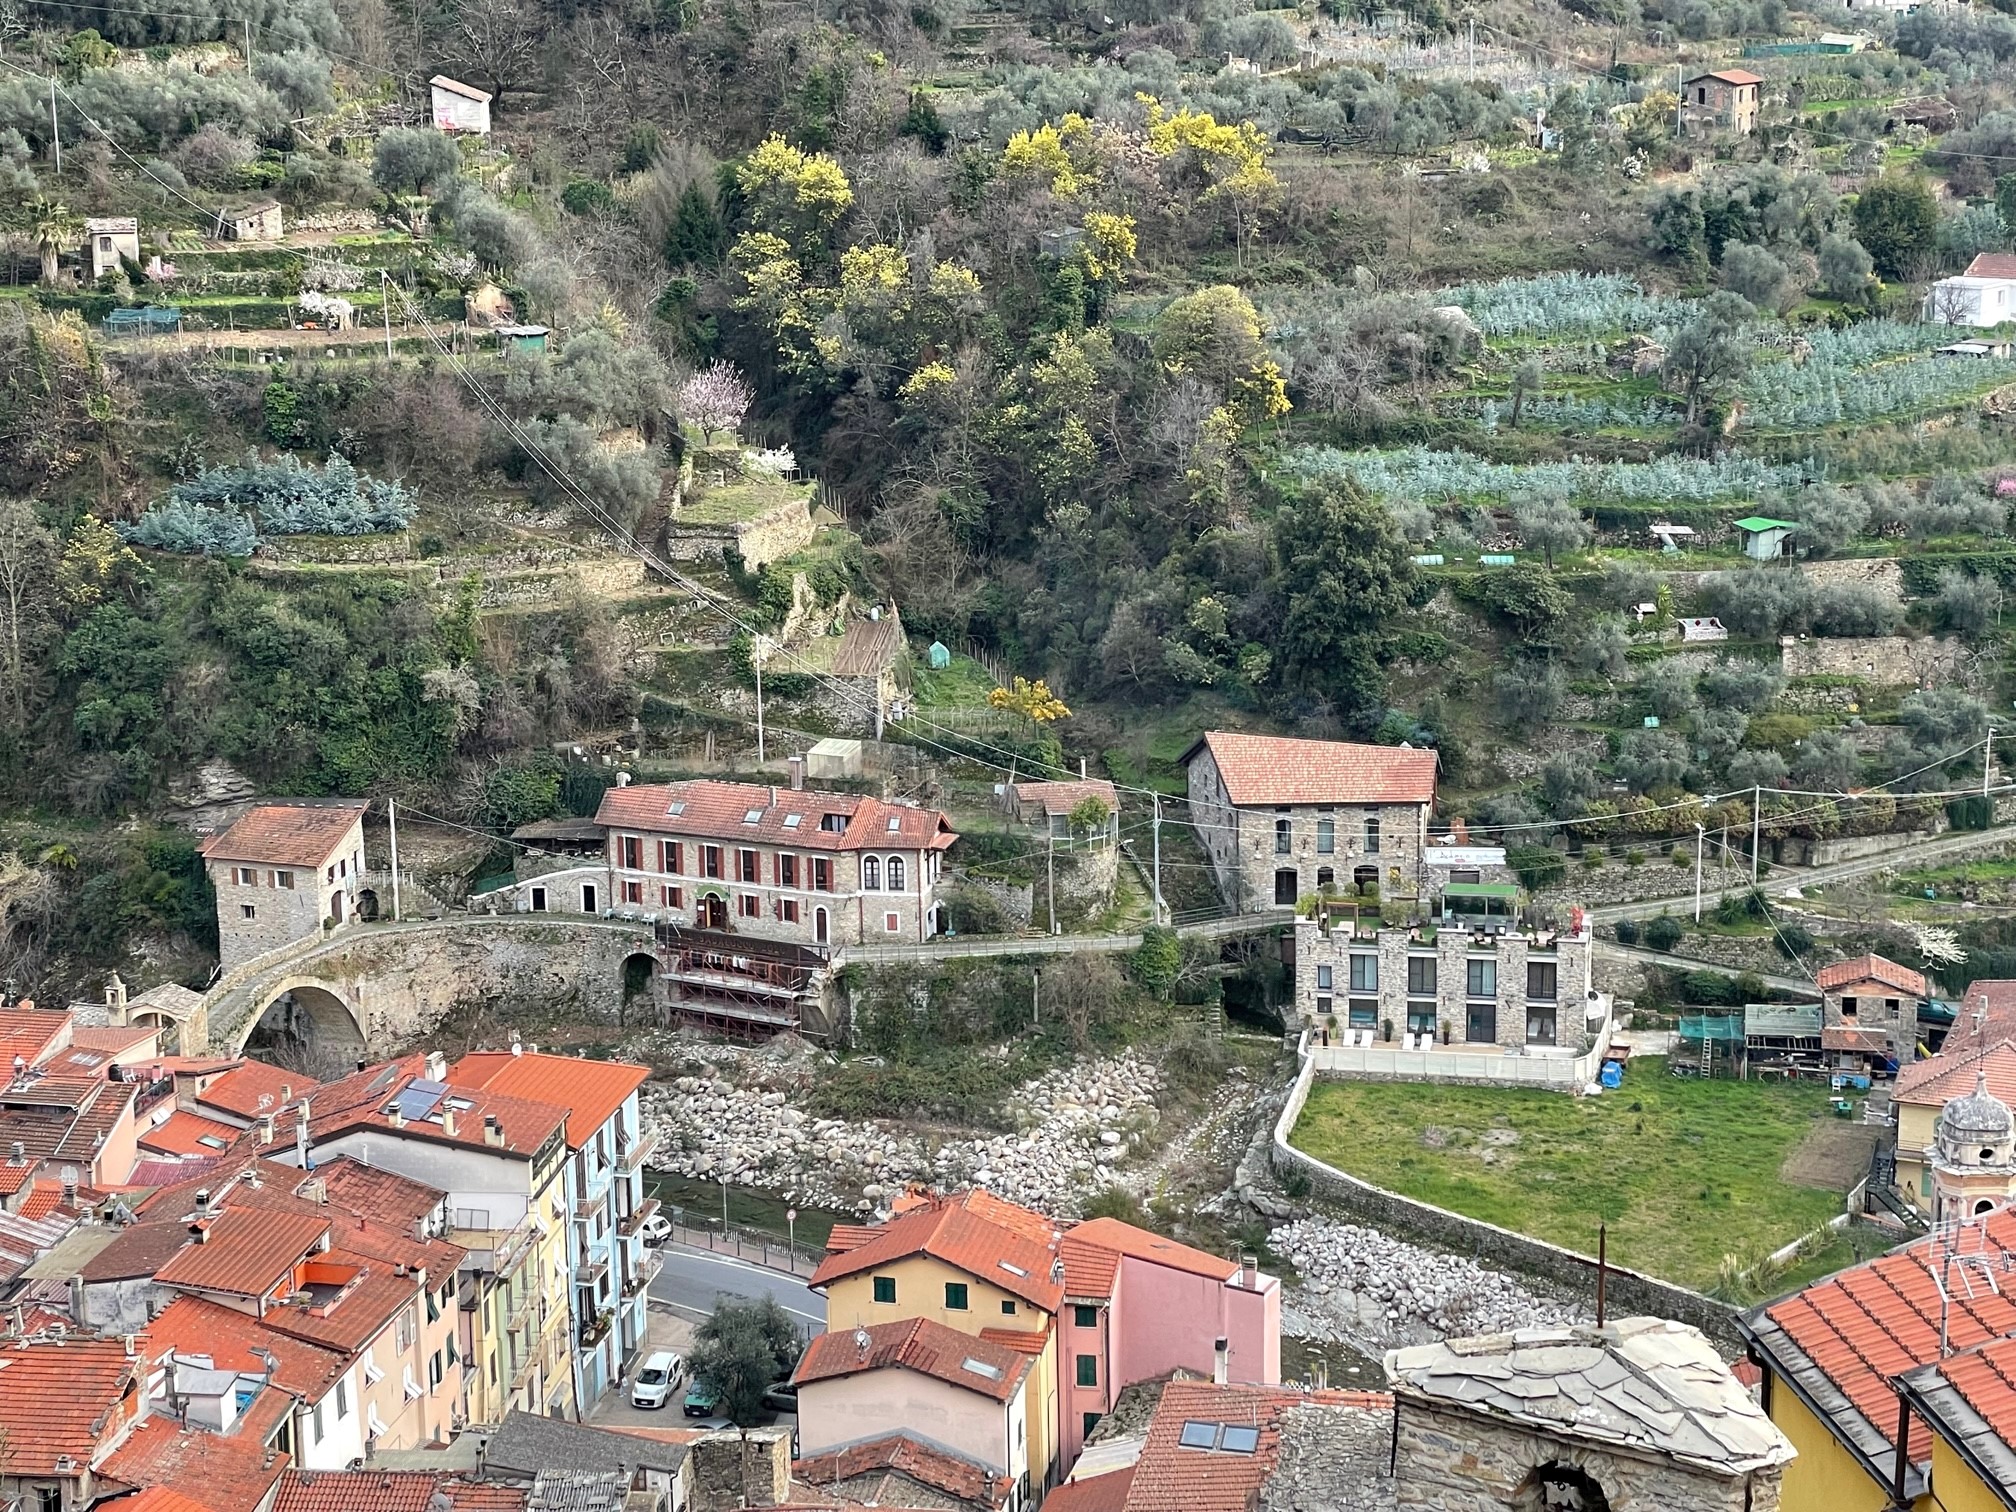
[1984, 295]
[1457, 987]
[258, 221]
[66, 1405]
[1852, 1363]
[283, 872]
[111, 241]
[1283, 819]
[458, 107]
[1725, 99]
[1869, 1013]
[1048, 807]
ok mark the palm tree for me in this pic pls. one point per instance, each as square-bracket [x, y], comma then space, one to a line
[55, 230]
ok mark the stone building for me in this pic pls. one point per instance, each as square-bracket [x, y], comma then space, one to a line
[283, 871]
[1973, 1162]
[110, 241]
[1639, 1416]
[1457, 986]
[1869, 1011]
[1727, 99]
[1281, 819]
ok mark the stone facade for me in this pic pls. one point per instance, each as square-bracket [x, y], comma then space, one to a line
[262, 905]
[1884, 574]
[1446, 1462]
[773, 535]
[1888, 660]
[1260, 864]
[1463, 985]
[732, 1470]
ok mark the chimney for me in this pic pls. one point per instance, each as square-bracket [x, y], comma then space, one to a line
[493, 1131]
[265, 1128]
[202, 1202]
[1081, 768]
[797, 766]
[1221, 1368]
[448, 1122]
[622, 779]
[69, 1186]
[286, 1093]
[1249, 1271]
[132, 1345]
[517, 1046]
[17, 1154]
[363, 1065]
[115, 1002]
[437, 1066]
[482, 1455]
[394, 1117]
[77, 1299]
[773, 795]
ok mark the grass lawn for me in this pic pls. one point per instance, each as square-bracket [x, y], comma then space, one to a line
[1683, 1171]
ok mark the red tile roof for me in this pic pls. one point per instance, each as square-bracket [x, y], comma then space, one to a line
[1863, 1327]
[184, 1133]
[898, 1454]
[478, 1496]
[255, 1088]
[921, 1345]
[720, 810]
[1872, 968]
[1028, 1341]
[526, 1125]
[65, 1398]
[1138, 1244]
[194, 1326]
[245, 1253]
[66, 1118]
[1063, 797]
[230, 1471]
[1985, 1378]
[1169, 1476]
[1987, 1016]
[991, 1240]
[1731, 76]
[157, 1499]
[1992, 265]
[373, 1191]
[1264, 769]
[43, 1199]
[34, 1034]
[14, 1177]
[288, 834]
[355, 1491]
[1947, 1075]
[847, 1236]
[360, 1315]
[590, 1090]
[1095, 1493]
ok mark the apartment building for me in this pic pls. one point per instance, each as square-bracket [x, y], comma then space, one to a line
[609, 1268]
[1282, 819]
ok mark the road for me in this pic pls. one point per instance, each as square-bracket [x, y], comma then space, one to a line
[689, 1280]
[1783, 879]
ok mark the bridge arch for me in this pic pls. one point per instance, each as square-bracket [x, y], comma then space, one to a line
[307, 1022]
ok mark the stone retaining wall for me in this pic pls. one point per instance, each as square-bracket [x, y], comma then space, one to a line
[1888, 660]
[1628, 1291]
[1884, 574]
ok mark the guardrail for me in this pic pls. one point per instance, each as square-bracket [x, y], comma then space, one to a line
[757, 1249]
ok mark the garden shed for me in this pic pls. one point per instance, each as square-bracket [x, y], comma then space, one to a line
[258, 221]
[1764, 538]
[458, 106]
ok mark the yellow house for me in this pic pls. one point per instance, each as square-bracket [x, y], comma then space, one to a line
[1832, 1355]
[970, 1262]
[1968, 1402]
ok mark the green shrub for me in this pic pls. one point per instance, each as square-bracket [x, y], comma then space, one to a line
[1634, 858]
[1627, 931]
[1664, 932]
[1538, 866]
[1794, 939]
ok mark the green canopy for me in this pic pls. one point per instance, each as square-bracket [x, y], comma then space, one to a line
[1758, 522]
[1481, 890]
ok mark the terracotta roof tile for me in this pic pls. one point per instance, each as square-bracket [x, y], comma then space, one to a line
[230, 1471]
[158, 1499]
[373, 1191]
[526, 1125]
[42, 1200]
[921, 1345]
[194, 1326]
[720, 810]
[255, 1088]
[186, 1133]
[66, 1398]
[1265, 769]
[1028, 1341]
[590, 1090]
[901, 1455]
[1946, 1076]
[244, 1253]
[355, 1491]
[1731, 76]
[1138, 1244]
[477, 1496]
[1009, 1247]
[31, 1033]
[114, 1039]
[1096, 1493]
[1992, 265]
[1849, 1037]
[1172, 1478]
[14, 1177]
[359, 1316]
[1872, 968]
[1063, 797]
[307, 834]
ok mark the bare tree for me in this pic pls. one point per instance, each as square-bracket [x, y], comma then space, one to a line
[498, 41]
[25, 552]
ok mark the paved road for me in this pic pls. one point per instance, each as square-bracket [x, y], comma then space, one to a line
[1803, 985]
[690, 1279]
[1783, 879]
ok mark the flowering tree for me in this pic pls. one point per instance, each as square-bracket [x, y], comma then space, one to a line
[716, 398]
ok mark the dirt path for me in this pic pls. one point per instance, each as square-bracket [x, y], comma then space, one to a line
[1832, 1157]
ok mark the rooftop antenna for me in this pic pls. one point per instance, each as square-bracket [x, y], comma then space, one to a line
[1968, 1266]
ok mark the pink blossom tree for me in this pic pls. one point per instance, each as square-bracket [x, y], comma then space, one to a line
[717, 398]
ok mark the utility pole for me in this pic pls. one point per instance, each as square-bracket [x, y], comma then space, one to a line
[55, 130]
[1700, 835]
[1036, 997]
[1756, 826]
[1158, 858]
[392, 818]
[248, 46]
[1987, 755]
[385, 303]
[1050, 854]
[756, 647]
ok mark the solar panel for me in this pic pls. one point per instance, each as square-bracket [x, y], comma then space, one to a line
[1237, 1439]
[1199, 1435]
[417, 1098]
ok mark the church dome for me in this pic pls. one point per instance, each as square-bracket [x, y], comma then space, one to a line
[1978, 1118]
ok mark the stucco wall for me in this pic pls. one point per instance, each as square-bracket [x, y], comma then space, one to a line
[877, 1402]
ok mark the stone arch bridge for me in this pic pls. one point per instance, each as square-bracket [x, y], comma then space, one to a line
[369, 987]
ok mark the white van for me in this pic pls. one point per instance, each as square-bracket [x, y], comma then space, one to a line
[661, 1376]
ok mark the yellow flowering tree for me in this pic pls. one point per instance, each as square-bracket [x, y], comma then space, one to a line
[1214, 337]
[1060, 154]
[797, 195]
[1231, 159]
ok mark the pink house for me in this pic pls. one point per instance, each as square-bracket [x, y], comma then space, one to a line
[1137, 1306]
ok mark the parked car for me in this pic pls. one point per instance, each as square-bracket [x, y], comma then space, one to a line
[657, 1229]
[660, 1377]
[781, 1396]
[701, 1399]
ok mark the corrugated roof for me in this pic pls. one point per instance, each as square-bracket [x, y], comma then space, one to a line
[304, 833]
[456, 86]
[945, 1354]
[1273, 769]
[1872, 968]
[869, 648]
[590, 1091]
[722, 810]
[973, 1230]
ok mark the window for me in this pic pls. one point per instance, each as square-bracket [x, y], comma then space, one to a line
[833, 824]
[332, 874]
[1325, 978]
[710, 860]
[633, 853]
[1371, 837]
[1541, 979]
[885, 1288]
[1085, 1317]
[1326, 878]
[1420, 1018]
[1364, 1013]
[787, 871]
[245, 876]
[1285, 887]
[1326, 837]
[434, 1371]
[891, 923]
[751, 865]
[822, 874]
[1090, 1422]
[895, 874]
[1421, 976]
[403, 1329]
[248, 911]
[669, 857]
[1007, 1309]
[675, 897]
[50, 1498]
[1483, 978]
[284, 880]
[1325, 1006]
[1088, 1370]
[342, 1400]
[633, 892]
[1540, 1025]
[1458, 874]
[1364, 973]
[589, 898]
[871, 873]
[1284, 836]
[955, 1296]
[748, 906]
[787, 910]
[538, 900]
[315, 1424]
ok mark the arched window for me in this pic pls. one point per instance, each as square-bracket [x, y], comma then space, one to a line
[1984, 1205]
[895, 874]
[1284, 837]
[871, 873]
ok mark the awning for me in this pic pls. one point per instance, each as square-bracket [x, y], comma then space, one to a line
[1481, 890]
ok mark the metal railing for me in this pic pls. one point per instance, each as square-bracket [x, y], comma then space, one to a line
[756, 1248]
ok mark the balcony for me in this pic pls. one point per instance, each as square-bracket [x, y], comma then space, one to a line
[630, 1226]
[631, 1155]
[528, 1310]
[641, 1276]
[586, 1208]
